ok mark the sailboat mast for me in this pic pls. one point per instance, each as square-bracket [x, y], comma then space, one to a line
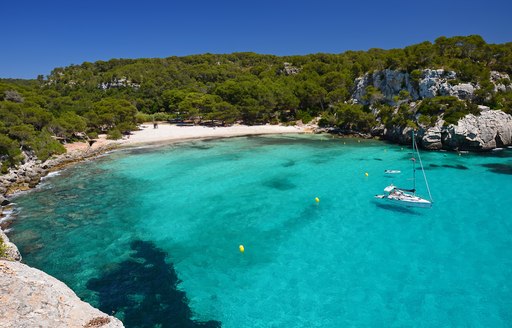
[413, 162]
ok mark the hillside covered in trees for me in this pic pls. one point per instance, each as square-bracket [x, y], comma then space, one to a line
[80, 101]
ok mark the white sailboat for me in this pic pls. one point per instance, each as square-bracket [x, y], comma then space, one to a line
[407, 197]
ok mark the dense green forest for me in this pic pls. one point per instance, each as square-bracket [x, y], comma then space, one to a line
[81, 101]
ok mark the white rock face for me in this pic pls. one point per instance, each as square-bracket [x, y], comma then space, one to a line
[498, 80]
[389, 82]
[289, 69]
[433, 83]
[463, 90]
[122, 82]
[31, 298]
[490, 130]
[392, 82]
[432, 137]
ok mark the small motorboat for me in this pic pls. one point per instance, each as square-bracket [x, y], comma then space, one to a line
[392, 171]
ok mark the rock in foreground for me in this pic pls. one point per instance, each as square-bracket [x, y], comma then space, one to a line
[32, 298]
[10, 251]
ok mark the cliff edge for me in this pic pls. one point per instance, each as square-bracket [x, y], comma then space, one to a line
[32, 298]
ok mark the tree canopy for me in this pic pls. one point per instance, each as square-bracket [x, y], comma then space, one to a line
[112, 96]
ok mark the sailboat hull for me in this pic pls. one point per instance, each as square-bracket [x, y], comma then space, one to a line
[420, 202]
[408, 201]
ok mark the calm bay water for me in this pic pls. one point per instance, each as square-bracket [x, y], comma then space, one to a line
[153, 235]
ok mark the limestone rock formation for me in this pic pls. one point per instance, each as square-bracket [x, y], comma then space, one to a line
[432, 83]
[31, 298]
[11, 251]
[501, 81]
[492, 129]
[289, 69]
[389, 82]
[121, 82]
[489, 130]
[431, 138]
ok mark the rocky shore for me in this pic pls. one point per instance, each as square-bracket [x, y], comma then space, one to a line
[490, 130]
[30, 297]
[29, 174]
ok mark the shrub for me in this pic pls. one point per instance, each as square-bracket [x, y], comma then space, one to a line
[304, 116]
[327, 119]
[453, 117]
[143, 118]
[92, 135]
[424, 120]
[354, 117]
[44, 146]
[114, 134]
[416, 76]
[160, 116]
[9, 152]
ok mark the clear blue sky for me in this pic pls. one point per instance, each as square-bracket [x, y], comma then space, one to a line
[37, 36]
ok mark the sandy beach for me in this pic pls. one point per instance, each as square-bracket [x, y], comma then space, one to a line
[165, 133]
[170, 132]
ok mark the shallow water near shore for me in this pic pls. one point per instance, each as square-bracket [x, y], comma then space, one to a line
[152, 235]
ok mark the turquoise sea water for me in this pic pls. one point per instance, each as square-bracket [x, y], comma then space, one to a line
[153, 235]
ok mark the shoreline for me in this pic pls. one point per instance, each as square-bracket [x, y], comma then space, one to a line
[168, 133]
[29, 175]
[26, 176]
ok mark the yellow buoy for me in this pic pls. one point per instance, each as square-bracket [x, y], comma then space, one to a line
[366, 173]
[241, 248]
[317, 199]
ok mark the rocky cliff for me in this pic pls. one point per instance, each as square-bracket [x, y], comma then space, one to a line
[488, 130]
[492, 129]
[427, 83]
[31, 298]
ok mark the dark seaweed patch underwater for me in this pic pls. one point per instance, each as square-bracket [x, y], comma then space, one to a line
[142, 291]
[499, 168]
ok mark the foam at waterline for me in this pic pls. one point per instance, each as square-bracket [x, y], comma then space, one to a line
[52, 174]
[8, 213]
